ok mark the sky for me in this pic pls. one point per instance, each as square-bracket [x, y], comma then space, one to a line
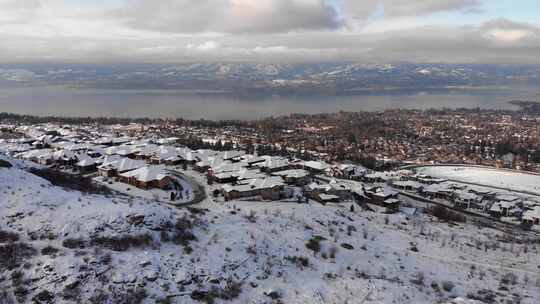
[145, 31]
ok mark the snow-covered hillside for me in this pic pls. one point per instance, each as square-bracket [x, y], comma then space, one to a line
[58, 245]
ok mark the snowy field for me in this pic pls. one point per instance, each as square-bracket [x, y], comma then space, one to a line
[488, 177]
[245, 252]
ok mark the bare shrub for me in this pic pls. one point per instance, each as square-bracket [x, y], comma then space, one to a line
[5, 164]
[5, 298]
[447, 286]
[21, 292]
[418, 278]
[509, 279]
[230, 292]
[17, 277]
[8, 237]
[49, 250]
[14, 254]
[252, 216]
[446, 214]
[350, 230]
[136, 296]
[43, 296]
[314, 244]
[124, 243]
[74, 243]
[299, 261]
[332, 252]
[183, 237]
[99, 297]
[72, 293]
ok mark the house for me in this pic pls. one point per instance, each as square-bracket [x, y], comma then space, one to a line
[246, 174]
[352, 171]
[505, 208]
[326, 198]
[186, 155]
[360, 196]
[147, 177]
[273, 164]
[335, 188]
[509, 160]
[64, 157]
[145, 152]
[340, 189]
[119, 166]
[531, 216]
[391, 205]
[408, 186]
[253, 159]
[381, 196]
[464, 199]
[376, 177]
[297, 177]
[165, 155]
[210, 162]
[314, 188]
[316, 167]
[123, 151]
[269, 188]
[40, 156]
[86, 165]
[439, 191]
[233, 155]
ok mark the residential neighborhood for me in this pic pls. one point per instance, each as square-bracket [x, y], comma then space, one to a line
[119, 157]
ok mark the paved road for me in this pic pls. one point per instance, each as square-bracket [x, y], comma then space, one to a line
[199, 193]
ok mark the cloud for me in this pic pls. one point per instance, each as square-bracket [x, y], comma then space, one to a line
[497, 41]
[206, 46]
[261, 30]
[229, 16]
[504, 31]
[406, 8]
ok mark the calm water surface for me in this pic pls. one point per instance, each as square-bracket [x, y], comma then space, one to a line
[170, 104]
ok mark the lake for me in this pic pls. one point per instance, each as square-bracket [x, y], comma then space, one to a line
[63, 101]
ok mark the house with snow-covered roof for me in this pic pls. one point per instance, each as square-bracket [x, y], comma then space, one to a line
[116, 167]
[40, 156]
[165, 155]
[269, 188]
[505, 208]
[298, 177]
[531, 216]
[316, 167]
[147, 177]
[408, 185]
[273, 164]
[86, 164]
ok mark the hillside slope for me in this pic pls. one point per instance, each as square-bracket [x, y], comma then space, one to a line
[64, 246]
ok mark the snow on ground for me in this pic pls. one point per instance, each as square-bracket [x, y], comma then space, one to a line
[248, 252]
[151, 194]
[488, 177]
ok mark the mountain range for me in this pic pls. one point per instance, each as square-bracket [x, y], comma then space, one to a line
[340, 77]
